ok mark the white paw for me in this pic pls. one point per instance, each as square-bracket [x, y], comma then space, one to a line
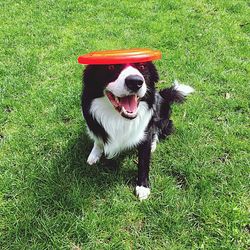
[142, 192]
[93, 158]
[95, 155]
[153, 146]
[154, 143]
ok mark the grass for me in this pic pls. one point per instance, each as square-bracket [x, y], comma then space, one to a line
[50, 198]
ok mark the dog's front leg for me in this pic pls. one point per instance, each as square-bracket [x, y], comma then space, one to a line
[95, 153]
[144, 153]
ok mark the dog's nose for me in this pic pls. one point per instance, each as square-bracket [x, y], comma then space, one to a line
[133, 82]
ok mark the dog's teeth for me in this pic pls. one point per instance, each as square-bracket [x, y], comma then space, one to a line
[128, 114]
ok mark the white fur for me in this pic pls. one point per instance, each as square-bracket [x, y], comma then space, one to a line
[118, 87]
[184, 89]
[95, 154]
[123, 133]
[142, 192]
[154, 143]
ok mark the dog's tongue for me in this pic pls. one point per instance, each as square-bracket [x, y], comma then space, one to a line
[129, 103]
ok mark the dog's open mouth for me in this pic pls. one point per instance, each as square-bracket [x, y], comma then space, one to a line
[127, 106]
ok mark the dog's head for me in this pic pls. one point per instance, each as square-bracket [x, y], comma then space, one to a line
[124, 86]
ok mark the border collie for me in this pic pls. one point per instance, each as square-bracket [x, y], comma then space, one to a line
[123, 110]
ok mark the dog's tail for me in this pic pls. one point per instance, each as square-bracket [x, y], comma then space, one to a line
[176, 93]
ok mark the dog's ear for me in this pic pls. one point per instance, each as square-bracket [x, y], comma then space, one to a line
[154, 76]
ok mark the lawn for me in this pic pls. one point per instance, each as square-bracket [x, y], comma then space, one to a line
[51, 199]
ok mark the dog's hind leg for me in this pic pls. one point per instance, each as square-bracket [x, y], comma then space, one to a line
[95, 154]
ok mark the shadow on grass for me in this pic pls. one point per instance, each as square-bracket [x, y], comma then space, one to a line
[58, 191]
[69, 183]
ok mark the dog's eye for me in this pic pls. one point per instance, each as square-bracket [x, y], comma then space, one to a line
[141, 66]
[111, 67]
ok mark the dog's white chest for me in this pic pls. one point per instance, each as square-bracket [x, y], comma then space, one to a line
[123, 133]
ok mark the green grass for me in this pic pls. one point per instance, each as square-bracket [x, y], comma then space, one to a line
[50, 198]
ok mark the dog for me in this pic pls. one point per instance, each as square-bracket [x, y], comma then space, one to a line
[123, 110]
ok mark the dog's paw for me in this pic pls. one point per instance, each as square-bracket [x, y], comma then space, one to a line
[93, 158]
[153, 146]
[95, 155]
[154, 143]
[142, 192]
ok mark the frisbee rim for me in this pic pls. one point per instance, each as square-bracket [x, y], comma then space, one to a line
[120, 56]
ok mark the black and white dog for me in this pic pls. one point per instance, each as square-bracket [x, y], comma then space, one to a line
[123, 110]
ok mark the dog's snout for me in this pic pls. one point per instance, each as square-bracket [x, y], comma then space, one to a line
[133, 82]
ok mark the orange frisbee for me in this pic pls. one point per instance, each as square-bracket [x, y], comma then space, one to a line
[120, 56]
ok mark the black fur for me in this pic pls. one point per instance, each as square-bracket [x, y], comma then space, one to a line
[96, 78]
